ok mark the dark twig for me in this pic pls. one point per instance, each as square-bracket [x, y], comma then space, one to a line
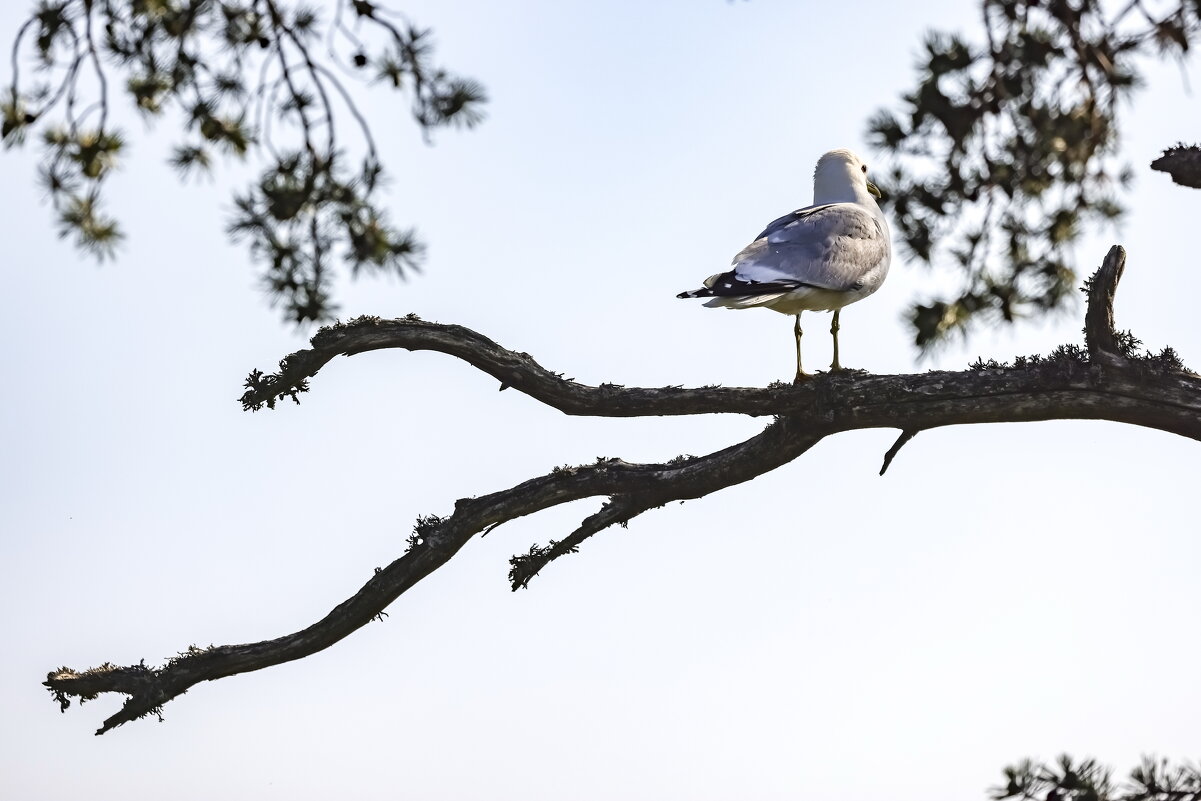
[896, 448]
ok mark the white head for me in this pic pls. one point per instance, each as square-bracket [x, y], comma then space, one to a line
[841, 177]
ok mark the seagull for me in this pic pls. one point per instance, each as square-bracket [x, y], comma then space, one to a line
[819, 258]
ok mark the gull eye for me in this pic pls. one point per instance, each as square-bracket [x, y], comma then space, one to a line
[864, 168]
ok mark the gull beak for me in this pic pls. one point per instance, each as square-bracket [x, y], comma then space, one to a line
[873, 189]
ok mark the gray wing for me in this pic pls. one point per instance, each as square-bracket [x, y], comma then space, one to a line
[791, 217]
[832, 246]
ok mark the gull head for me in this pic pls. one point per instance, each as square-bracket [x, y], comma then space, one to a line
[841, 177]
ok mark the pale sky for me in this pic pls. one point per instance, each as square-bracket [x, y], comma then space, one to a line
[1004, 592]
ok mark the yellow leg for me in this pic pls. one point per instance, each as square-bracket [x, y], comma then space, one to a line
[834, 365]
[801, 375]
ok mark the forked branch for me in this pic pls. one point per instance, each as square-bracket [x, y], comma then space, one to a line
[1106, 380]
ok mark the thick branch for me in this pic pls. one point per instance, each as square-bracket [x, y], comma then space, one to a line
[1068, 385]
[516, 370]
[1101, 382]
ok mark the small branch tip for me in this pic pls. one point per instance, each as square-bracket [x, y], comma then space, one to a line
[906, 435]
[1099, 335]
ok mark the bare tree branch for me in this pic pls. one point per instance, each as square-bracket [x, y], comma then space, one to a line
[439, 539]
[1105, 380]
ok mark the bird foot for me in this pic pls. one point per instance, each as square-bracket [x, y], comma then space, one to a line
[802, 377]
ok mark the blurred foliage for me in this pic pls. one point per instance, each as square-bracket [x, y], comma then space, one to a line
[1066, 780]
[1007, 150]
[247, 76]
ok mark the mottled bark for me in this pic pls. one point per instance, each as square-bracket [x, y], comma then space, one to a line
[1105, 380]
